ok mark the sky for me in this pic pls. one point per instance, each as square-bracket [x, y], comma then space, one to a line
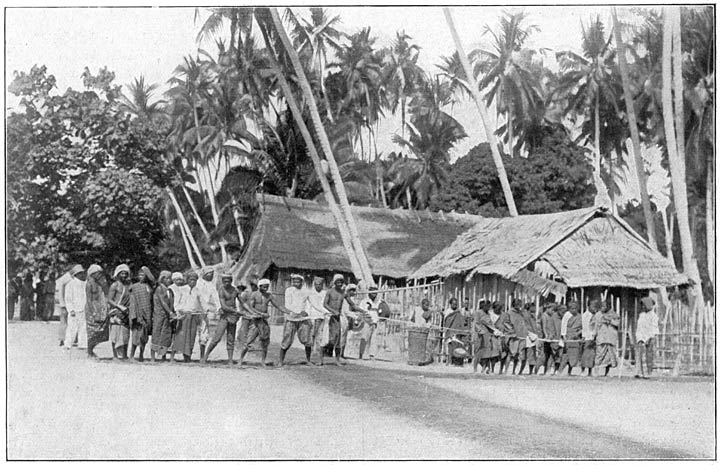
[152, 42]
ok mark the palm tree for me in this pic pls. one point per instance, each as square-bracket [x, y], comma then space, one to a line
[590, 85]
[674, 127]
[140, 102]
[401, 74]
[505, 71]
[344, 207]
[472, 85]
[361, 70]
[432, 133]
[634, 133]
[317, 38]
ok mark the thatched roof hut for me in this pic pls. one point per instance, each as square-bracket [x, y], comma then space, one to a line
[296, 234]
[552, 252]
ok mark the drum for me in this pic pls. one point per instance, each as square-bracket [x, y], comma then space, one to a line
[417, 345]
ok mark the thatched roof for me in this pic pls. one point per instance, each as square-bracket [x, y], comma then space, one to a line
[301, 234]
[586, 247]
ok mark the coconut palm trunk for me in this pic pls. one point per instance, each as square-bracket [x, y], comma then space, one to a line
[676, 151]
[213, 205]
[634, 134]
[343, 204]
[484, 116]
[312, 151]
[194, 210]
[185, 228]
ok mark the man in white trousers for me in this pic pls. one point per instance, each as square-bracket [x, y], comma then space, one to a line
[75, 303]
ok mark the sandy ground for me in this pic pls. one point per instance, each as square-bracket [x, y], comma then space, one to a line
[62, 405]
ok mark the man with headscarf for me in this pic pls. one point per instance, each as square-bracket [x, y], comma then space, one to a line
[298, 322]
[49, 295]
[316, 313]
[607, 324]
[645, 334]
[162, 315]
[456, 329]
[119, 299]
[333, 302]
[484, 350]
[377, 312]
[571, 335]
[229, 315]
[550, 328]
[257, 314]
[96, 311]
[350, 316]
[588, 335]
[75, 299]
[140, 312]
[187, 307]
[60, 303]
[514, 327]
[210, 303]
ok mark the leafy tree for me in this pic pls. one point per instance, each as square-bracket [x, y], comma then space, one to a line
[85, 181]
[141, 103]
[556, 178]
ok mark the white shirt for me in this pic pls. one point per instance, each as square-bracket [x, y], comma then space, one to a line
[647, 326]
[75, 296]
[60, 289]
[564, 322]
[180, 297]
[209, 298]
[314, 304]
[588, 331]
[295, 302]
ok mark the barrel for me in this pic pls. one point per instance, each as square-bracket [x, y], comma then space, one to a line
[417, 345]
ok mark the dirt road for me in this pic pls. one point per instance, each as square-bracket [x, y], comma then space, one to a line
[62, 405]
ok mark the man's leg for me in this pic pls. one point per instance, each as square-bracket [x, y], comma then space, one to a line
[305, 336]
[289, 330]
[71, 331]
[216, 337]
[230, 330]
[247, 331]
[639, 362]
[264, 332]
[650, 355]
[318, 327]
[82, 331]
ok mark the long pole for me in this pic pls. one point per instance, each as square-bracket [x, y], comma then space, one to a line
[312, 151]
[483, 115]
[326, 148]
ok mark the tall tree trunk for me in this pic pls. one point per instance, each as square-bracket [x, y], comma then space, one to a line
[194, 210]
[379, 176]
[676, 152]
[502, 175]
[489, 133]
[599, 183]
[343, 228]
[710, 218]
[668, 227]
[634, 134]
[408, 198]
[511, 148]
[326, 148]
[188, 250]
[213, 206]
[184, 224]
[238, 222]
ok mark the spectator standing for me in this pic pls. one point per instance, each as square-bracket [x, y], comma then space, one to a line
[645, 337]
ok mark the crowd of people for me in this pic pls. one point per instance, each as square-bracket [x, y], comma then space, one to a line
[175, 310]
[170, 313]
[559, 337]
[34, 296]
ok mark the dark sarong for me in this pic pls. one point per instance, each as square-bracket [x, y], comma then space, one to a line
[587, 360]
[253, 329]
[334, 331]
[97, 332]
[185, 331]
[162, 333]
[605, 355]
[96, 314]
[140, 313]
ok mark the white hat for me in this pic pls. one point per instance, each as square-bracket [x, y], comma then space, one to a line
[76, 269]
[120, 268]
[94, 268]
[338, 277]
[176, 275]
[297, 276]
[264, 282]
[207, 270]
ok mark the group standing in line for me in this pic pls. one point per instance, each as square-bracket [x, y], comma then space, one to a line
[177, 309]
